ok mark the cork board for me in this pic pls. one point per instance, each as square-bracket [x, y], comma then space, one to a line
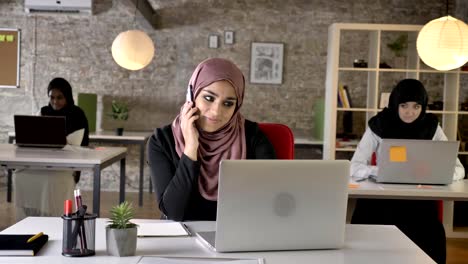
[9, 57]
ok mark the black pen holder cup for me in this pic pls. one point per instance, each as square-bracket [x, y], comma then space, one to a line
[79, 235]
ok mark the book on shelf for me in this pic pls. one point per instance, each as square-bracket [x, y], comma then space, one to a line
[384, 98]
[343, 96]
[339, 101]
[348, 97]
[340, 143]
[17, 245]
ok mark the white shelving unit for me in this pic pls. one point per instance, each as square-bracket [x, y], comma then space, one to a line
[347, 42]
[369, 41]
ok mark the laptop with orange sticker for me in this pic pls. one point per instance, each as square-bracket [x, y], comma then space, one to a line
[416, 161]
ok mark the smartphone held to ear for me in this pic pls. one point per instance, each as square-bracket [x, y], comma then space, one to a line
[189, 95]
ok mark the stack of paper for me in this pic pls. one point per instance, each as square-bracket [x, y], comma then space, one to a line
[197, 260]
[165, 229]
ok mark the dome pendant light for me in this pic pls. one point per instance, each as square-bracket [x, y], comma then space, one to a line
[443, 43]
[133, 49]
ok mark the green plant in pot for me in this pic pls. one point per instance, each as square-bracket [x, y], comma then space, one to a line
[399, 46]
[120, 114]
[121, 234]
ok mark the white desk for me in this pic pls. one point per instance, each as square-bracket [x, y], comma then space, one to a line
[368, 189]
[364, 244]
[457, 191]
[13, 157]
[128, 138]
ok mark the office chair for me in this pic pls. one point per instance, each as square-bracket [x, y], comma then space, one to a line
[281, 137]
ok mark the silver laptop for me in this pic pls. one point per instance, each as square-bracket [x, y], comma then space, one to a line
[280, 205]
[40, 131]
[416, 161]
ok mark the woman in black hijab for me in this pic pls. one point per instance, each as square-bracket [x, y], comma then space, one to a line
[39, 192]
[404, 118]
[61, 103]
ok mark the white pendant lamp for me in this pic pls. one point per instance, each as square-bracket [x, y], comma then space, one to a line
[133, 49]
[443, 43]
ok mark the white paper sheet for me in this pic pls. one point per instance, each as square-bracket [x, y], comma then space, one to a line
[162, 229]
[76, 137]
[197, 260]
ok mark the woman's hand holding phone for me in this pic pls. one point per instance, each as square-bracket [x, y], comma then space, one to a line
[189, 130]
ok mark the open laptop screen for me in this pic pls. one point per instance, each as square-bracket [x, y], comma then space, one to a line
[40, 131]
[280, 205]
[416, 161]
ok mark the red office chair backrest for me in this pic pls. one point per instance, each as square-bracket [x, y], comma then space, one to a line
[440, 204]
[281, 137]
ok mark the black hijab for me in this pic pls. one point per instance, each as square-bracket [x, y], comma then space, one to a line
[75, 117]
[387, 123]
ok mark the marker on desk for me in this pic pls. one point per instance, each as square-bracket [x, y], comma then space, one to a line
[36, 236]
[78, 200]
[81, 215]
[79, 208]
[67, 211]
[67, 208]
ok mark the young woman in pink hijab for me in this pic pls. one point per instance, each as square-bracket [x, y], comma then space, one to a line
[184, 157]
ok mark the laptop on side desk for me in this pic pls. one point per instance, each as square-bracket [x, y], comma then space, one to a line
[40, 131]
[416, 161]
[280, 205]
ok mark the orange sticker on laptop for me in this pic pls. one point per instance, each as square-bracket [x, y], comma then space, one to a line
[397, 154]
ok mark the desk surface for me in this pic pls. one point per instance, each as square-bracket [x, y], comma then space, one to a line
[368, 189]
[110, 135]
[128, 138]
[364, 244]
[127, 135]
[144, 135]
[76, 155]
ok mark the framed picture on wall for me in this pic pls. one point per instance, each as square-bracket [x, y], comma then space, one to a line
[213, 42]
[266, 63]
[229, 37]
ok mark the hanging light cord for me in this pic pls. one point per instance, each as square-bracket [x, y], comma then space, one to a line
[446, 7]
[136, 8]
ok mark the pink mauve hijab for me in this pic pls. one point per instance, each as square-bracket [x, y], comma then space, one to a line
[226, 143]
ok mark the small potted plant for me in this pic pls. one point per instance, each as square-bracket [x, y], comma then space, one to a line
[121, 234]
[399, 47]
[120, 114]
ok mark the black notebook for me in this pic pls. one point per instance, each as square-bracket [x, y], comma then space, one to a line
[16, 245]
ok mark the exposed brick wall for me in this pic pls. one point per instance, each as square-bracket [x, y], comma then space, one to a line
[77, 47]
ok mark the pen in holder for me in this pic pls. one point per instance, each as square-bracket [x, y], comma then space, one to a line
[79, 233]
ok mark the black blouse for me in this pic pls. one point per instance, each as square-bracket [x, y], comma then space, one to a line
[176, 179]
[75, 119]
